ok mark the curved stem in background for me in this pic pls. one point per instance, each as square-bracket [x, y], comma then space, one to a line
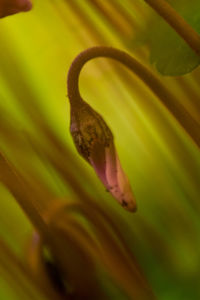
[167, 12]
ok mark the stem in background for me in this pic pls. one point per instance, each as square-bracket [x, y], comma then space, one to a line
[57, 242]
[24, 197]
[177, 22]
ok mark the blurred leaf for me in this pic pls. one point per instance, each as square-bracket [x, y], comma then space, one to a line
[169, 52]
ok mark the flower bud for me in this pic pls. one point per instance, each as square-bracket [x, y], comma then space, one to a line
[94, 142]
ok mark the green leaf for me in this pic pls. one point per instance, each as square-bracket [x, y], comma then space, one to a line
[169, 52]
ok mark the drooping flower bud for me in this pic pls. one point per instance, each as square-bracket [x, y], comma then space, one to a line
[94, 141]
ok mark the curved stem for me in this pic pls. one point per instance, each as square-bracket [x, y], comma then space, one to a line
[167, 98]
[132, 64]
[167, 12]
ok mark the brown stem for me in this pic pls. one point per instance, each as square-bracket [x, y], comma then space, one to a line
[190, 125]
[167, 12]
[124, 58]
[18, 188]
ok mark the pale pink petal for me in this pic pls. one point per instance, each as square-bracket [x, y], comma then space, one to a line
[119, 185]
[98, 161]
[107, 166]
[127, 196]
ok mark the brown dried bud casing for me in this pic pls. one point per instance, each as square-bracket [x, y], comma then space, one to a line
[88, 129]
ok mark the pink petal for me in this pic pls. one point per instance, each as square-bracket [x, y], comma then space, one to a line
[107, 166]
[98, 161]
[118, 182]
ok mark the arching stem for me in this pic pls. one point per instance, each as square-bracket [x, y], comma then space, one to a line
[167, 12]
[124, 58]
[167, 98]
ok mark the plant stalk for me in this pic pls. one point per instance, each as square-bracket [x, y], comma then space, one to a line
[177, 22]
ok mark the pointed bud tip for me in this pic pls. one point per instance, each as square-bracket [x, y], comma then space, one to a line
[131, 207]
[128, 202]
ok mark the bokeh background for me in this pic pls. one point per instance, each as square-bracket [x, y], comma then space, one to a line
[157, 144]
